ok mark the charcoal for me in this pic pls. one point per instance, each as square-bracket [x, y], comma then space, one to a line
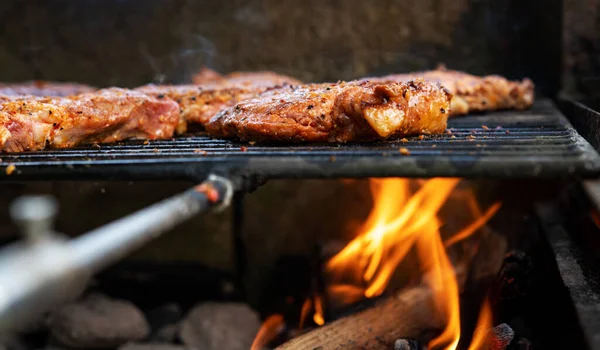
[515, 275]
[96, 322]
[166, 334]
[500, 337]
[407, 344]
[164, 315]
[524, 344]
[163, 322]
[213, 326]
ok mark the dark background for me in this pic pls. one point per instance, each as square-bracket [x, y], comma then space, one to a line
[129, 42]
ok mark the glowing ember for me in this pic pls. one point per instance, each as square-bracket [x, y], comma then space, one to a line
[268, 331]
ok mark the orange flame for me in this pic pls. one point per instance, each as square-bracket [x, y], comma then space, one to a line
[398, 222]
[484, 323]
[346, 293]
[319, 318]
[268, 331]
[476, 225]
[306, 307]
[442, 281]
[390, 231]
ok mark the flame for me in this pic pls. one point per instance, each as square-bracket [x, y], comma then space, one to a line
[306, 307]
[442, 281]
[390, 230]
[319, 318]
[476, 225]
[346, 293]
[268, 331]
[484, 323]
[399, 221]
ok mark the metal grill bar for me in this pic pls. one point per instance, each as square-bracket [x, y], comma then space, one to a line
[539, 142]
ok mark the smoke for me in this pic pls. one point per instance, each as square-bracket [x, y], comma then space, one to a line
[180, 66]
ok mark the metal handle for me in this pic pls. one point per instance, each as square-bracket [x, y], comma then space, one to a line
[36, 277]
[107, 244]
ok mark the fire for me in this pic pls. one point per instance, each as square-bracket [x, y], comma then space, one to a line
[442, 281]
[399, 222]
[483, 326]
[268, 331]
[319, 318]
[306, 307]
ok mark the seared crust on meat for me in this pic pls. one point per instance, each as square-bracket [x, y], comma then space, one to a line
[473, 93]
[199, 103]
[214, 92]
[44, 88]
[105, 116]
[258, 78]
[343, 112]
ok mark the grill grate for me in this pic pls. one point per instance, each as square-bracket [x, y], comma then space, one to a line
[539, 142]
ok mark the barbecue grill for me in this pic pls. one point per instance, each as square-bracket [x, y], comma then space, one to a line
[539, 142]
[535, 143]
[556, 140]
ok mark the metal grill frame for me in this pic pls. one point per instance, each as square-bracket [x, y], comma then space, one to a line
[539, 142]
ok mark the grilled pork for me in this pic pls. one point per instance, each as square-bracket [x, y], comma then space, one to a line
[472, 93]
[214, 92]
[343, 112]
[199, 103]
[43, 88]
[259, 78]
[108, 115]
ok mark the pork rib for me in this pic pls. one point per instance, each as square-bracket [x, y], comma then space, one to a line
[473, 93]
[342, 112]
[108, 115]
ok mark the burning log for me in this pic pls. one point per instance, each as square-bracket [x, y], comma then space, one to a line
[401, 223]
[408, 314]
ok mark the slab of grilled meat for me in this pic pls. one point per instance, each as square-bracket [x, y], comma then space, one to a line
[258, 78]
[199, 103]
[108, 115]
[213, 92]
[342, 112]
[473, 93]
[43, 88]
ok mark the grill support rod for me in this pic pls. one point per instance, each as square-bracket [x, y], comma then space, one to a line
[46, 269]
